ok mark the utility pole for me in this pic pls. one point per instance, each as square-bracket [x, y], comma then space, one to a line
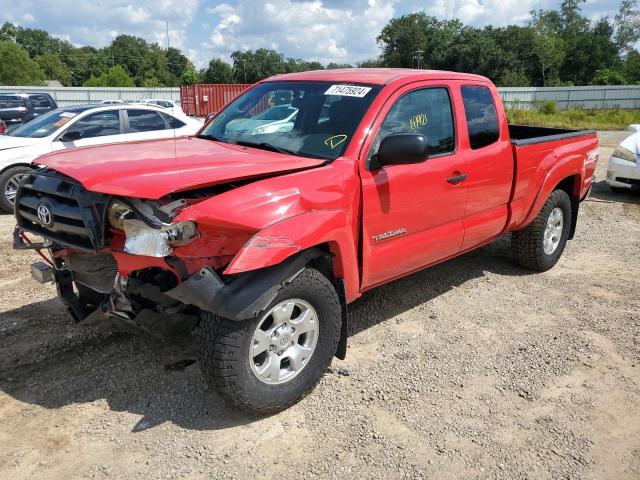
[167, 35]
[417, 58]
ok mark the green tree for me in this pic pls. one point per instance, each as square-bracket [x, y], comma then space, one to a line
[627, 26]
[218, 71]
[177, 63]
[8, 32]
[191, 76]
[608, 76]
[127, 51]
[116, 76]
[251, 67]
[54, 69]
[335, 66]
[548, 45]
[16, 68]
[153, 68]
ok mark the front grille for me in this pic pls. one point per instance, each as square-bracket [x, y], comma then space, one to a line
[95, 270]
[76, 216]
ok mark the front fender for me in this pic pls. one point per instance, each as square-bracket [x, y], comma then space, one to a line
[283, 239]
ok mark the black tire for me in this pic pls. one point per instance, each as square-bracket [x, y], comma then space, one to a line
[528, 244]
[223, 349]
[5, 204]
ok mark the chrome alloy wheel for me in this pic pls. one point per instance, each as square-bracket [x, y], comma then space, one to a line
[553, 231]
[284, 341]
[11, 188]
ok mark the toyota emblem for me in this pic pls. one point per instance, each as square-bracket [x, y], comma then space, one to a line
[45, 215]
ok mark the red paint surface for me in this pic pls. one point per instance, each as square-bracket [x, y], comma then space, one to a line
[341, 206]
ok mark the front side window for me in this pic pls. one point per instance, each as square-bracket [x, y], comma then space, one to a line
[98, 124]
[145, 121]
[309, 119]
[44, 125]
[428, 112]
[482, 117]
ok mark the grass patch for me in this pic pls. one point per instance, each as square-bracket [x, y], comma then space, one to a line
[576, 119]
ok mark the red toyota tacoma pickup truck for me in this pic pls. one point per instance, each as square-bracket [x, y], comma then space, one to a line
[304, 192]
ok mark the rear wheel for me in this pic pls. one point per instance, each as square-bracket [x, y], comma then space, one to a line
[9, 181]
[540, 245]
[266, 364]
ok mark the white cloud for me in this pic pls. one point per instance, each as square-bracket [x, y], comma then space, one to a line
[335, 31]
[323, 30]
[96, 22]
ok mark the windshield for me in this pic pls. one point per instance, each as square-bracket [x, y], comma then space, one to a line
[312, 119]
[44, 125]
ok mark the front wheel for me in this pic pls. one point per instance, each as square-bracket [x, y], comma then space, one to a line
[266, 364]
[540, 245]
[9, 181]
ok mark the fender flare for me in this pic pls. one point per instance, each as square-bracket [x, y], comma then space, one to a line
[281, 240]
[555, 177]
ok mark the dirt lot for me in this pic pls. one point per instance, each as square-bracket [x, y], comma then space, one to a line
[472, 369]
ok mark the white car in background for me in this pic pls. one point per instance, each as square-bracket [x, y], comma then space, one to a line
[278, 119]
[80, 126]
[166, 104]
[623, 169]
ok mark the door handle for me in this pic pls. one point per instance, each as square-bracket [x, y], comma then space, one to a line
[458, 178]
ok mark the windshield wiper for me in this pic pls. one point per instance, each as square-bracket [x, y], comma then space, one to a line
[265, 146]
[209, 137]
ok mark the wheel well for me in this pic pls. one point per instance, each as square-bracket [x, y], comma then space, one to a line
[571, 185]
[324, 264]
[14, 165]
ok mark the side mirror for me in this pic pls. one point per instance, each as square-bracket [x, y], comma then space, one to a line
[401, 149]
[635, 128]
[71, 136]
[209, 115]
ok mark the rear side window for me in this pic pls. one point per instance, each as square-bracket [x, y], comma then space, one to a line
[145, 121]
[482, 118]
[11, 101]
[172, 121]
[39, 101]
[428, 112]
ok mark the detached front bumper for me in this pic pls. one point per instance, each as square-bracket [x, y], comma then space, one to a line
[623, 174]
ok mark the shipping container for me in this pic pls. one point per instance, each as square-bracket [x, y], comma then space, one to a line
[202, 99]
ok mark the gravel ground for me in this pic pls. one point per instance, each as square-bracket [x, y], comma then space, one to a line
[472, 369]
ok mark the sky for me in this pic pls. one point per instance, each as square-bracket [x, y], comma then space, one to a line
[342, 31]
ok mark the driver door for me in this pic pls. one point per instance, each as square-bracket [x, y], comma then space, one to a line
[412, 214]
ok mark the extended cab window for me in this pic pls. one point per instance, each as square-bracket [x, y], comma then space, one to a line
[39, 101]
[145, 121]
[482, 118]
[98, 124]
[428, 112]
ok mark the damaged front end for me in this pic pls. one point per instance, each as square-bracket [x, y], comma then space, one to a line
[125, 263]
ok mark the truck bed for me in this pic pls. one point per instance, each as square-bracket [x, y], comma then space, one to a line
[528, 135]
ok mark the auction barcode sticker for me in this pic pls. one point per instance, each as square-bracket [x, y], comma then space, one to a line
[348, 90]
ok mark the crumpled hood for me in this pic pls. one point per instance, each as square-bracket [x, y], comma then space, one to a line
[7, 142]
[153, 169]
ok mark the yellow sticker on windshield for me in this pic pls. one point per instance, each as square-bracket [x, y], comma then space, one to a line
[418, 121]
[334, 141]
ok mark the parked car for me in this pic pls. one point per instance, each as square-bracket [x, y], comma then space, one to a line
[81, 126]
[112, 102]
[166, 104]
[257, 243]
[279, 119]
[623, 169]
[17, 108]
